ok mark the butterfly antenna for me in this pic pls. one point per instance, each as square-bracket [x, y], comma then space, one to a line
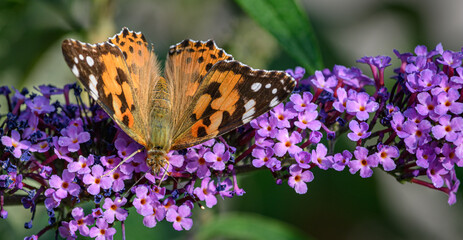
[123, 161]
[193, 195]
[133, 185]
[165, 173]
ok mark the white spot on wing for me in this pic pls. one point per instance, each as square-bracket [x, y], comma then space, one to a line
[274, 91]
[250, 104]
[90, 61]
[248, 114]
[81, 57]
[76, 60]
[75, 71]
[92, 85]
[268, 85]
[256, 86]
[274, 102]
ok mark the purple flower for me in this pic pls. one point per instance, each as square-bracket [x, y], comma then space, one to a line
[307, 119]
[303, 159]
[180, 217]
[65, 231]
[117, 179]
[385, 154]
[448, 128]
[218, 156]
[266, 126]
[303, 103]
[287, 143]
[436, 172]
[397, 124]
[81, 222]
[72, 138]
[102, 230]
[298, 179]
[448, 102]
[82, 166]
[340, 160]
[426, 105]
[359, 131]
[361, 106]
[450, 59]
[363, 162]
[197, 163]
[341, 101]
[263, 156]
[142, 202]
[297, 73]
[15, 142]
[283, 116]
[175, 159]
[319, 157]
[418, 133]
[424, 155]
[126, 147]
[326, 84]
[114, 209]
[39, 105]
[449, 159]
[96, 181]
[157, 213]
[207, 192]
[65, 185]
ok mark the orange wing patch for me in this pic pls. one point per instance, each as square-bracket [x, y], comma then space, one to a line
[231, 95]
[102, 70]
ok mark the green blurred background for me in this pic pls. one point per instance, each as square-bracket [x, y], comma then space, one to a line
[337, 205]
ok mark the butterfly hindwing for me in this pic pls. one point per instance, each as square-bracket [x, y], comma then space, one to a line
[231, 95]
[102, 70]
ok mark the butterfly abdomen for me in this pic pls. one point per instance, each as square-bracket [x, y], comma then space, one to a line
[161, 116]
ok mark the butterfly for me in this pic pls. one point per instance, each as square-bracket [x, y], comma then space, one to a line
[203, 94]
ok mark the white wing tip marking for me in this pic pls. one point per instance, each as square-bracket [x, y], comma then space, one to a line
[274, 102]
[75, 70]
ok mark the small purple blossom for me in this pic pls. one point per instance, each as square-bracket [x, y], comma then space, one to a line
[114, 209]
[263, 156]
[287, 143]
[359, 131]
[207, 192]
[361, 106]
[299, 178]
[16, 143]
[218, 157]
[102, 231]
[96, 180]
[363, 162]
[72, 138]
[180, 217]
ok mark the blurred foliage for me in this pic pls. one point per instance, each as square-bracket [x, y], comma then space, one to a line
[286, 21]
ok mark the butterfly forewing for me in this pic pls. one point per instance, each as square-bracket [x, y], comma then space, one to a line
[102, 69]
[143, 68]
[186, 65]
[231, 95]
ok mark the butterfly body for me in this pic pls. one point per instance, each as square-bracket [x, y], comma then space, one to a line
[204, 93]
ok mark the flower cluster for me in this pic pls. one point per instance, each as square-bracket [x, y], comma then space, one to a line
[73, 153]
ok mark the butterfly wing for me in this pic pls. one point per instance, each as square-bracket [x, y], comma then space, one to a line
[104, 71]
[230, 95]
[186, 65]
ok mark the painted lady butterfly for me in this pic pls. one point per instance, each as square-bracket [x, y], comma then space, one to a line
[204, 92]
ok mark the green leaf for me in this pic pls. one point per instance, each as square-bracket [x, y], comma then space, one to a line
[248, 226]
[287, 22]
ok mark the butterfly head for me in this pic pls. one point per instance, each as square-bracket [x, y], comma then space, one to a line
[156, 159]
